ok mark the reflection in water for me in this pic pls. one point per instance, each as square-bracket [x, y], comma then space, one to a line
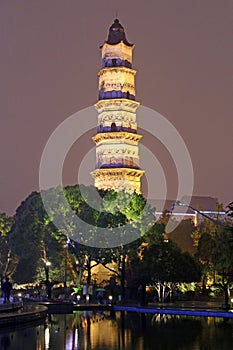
[120, 331]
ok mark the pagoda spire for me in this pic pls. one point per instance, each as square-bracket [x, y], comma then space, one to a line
[117, 34]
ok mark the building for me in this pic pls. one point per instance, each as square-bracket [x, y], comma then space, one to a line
[204, 205]
[117, 154]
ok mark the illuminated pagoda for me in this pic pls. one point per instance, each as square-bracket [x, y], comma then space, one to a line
[117, 153]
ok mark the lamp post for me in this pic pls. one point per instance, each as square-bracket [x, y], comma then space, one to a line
[78, 271]
[66, 245]
[47, 282]
[47, 266]
[122, 269]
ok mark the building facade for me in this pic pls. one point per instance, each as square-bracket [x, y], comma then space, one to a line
[117, 153]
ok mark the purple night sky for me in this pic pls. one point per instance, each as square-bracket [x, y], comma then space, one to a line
[49, 62]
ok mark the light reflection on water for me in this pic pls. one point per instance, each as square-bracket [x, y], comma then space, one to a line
[121, 331]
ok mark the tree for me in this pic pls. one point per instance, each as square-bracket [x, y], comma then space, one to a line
[119, 210]
[46, 221]
[230, 209]
[163, 264]
[215, 254]
[8, 261]
[32, 239]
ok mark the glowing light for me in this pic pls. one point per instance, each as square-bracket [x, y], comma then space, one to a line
[213, 212]
[47, 338]
[176, 214]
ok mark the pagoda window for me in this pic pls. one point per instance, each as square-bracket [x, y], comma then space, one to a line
[109, 62]
[118, 62]
[113, 127]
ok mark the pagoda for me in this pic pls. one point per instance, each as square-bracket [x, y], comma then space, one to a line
[117, 153]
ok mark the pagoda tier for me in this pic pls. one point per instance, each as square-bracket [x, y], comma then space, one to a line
[119, 179]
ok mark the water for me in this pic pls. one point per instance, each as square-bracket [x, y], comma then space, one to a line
[120, 331]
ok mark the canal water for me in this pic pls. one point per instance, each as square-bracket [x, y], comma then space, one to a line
[107, 330]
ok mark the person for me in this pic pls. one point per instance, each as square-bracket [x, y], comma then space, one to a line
[141, 295]
[6, 288]
[100, 297]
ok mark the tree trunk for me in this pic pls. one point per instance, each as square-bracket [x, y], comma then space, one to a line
[226, 296]
[123, 279]
[88, 271]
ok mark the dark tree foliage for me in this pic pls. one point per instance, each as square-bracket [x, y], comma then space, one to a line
[8, 261]
[161, 263]
[230, 209]
[215, 254]
[165, 262]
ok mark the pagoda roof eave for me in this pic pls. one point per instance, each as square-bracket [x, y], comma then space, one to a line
[116, 135]
[120, 42]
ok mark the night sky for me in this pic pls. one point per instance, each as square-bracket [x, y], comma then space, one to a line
[49, 61]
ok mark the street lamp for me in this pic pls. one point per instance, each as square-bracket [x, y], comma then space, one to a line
[47, 283]
[47, 266]
[182, 204]
[77, 266]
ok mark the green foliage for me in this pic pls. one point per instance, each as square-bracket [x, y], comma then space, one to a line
[163, 261]
[7, 260]
[215, 251]
[35, 238]
[215, 254]
[230, 209]
[32, 238]
[6, 223]
[77, 290]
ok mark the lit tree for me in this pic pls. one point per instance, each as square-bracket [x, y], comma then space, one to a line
[32, 239]
[8, 261]
[162, 263]
[215, 254]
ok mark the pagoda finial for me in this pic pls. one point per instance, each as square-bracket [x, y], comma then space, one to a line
[117, 34]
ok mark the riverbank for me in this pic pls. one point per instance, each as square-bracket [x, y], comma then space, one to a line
[10, 307]
[18, 313]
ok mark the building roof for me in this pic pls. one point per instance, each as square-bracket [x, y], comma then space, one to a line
[197, 202]
[117, 34]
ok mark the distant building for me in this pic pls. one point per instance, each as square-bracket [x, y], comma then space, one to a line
[205, 205]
